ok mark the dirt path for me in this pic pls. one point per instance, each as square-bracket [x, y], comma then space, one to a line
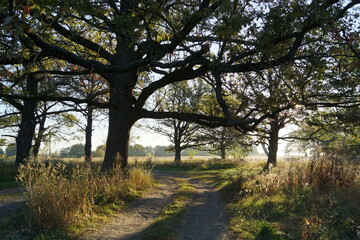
[204, 219]
[129, 224]
[11, 201]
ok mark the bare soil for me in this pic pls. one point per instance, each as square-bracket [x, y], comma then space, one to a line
[129, 224]
[11, 201]
[203, 219]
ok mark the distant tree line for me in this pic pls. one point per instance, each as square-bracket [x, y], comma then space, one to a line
[137, 150]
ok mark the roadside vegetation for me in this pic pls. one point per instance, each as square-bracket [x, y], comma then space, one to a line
[66, 199]
[316, 199]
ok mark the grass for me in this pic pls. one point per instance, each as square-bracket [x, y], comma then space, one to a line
[163, 226]
[197, 165]
[317, 199]
[64, 200]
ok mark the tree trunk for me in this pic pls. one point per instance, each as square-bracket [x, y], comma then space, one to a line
[222, 151]
[177, 153]
[121, 119]
[275, 127]
[39, 137]
[177, 140]
[27, 125]
[222, 144]
[88, 134]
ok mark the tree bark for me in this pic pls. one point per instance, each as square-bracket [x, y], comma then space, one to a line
[223, 144]
[275, 127]
[27, 125]
[88, 134]
[121, 119]
[223, 152]
[177, 140]
[39, 137]
[177, 154]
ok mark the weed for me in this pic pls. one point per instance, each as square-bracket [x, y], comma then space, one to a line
[317, 199]
[62, 197]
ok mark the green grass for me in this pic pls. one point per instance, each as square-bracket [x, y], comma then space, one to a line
[199, 165]
[163, 226]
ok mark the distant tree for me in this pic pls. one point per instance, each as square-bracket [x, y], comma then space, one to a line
[92, 88]
[137, 150]
[221, 140]
[334, 131]
[99, 152]
[180, 97]
[162, 151]
[10, 151]
[2, 152]
[76, 150]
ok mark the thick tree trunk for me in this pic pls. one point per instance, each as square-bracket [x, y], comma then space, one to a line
[177, 140]
[27, 125]
[39, 137]
[177, 153]
[121, 119]
[275, 127]
[88, 134]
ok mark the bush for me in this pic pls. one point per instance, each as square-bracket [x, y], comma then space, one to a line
[60, 197]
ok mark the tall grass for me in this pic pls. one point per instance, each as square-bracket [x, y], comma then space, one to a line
[316, 199]
[61, 196]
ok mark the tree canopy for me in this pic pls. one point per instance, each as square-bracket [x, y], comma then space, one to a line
[140, 47]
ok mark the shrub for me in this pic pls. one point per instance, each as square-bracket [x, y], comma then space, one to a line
[61, 196]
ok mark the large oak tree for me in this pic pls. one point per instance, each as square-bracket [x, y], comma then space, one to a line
[121, 40]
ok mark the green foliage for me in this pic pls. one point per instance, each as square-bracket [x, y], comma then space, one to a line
[76, 150]
[10, 151]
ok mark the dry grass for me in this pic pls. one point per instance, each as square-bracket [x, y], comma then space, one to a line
[313, 199]
[61, 197]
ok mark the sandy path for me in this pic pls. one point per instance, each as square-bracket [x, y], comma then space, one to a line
[204, 219]
[129, 224]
